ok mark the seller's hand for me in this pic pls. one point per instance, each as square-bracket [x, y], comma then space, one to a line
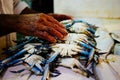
[60, 17]
[40, 25]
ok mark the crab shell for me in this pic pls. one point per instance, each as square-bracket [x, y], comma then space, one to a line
[79, 27]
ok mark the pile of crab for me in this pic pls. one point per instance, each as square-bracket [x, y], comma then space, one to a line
[77, 51]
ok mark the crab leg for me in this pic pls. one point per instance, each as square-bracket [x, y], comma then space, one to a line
[71, 62]
[47, 72]
[12, 49]
[5, 63]
[85, 45]
[91, 54]
[17, 54]
[90, 57]
[32, 67]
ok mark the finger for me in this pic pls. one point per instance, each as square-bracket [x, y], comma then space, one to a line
[53, 20]
[50, 30]
[61, 30]
[55, 33]
[55, 26]
[45, 35]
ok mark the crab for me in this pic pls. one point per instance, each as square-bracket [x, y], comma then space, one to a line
[33, 63]
[8, 61]
[35, 60]
[75, 65]
[36, 63]
[71, 38]
[66, 49]
[78, 26]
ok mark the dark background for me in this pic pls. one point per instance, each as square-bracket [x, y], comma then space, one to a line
[44, 6]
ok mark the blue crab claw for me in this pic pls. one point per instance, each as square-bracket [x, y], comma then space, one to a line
[17, 54]
[14, 48]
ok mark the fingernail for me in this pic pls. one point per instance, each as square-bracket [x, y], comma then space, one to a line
[53, 41]
[66, 32]
[61, 37]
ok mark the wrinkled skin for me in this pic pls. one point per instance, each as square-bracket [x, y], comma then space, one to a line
[38, 25]
[43, 26]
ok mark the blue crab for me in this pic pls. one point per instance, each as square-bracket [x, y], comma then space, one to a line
[79, 26]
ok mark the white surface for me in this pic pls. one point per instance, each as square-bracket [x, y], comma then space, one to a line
[88, 8]
[66, 74]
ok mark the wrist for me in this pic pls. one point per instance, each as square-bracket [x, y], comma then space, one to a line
[7, 23]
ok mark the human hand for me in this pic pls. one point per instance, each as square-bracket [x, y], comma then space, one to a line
[60, 17]
[40, 25]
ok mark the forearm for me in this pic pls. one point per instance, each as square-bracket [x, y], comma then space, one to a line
[7, 23]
